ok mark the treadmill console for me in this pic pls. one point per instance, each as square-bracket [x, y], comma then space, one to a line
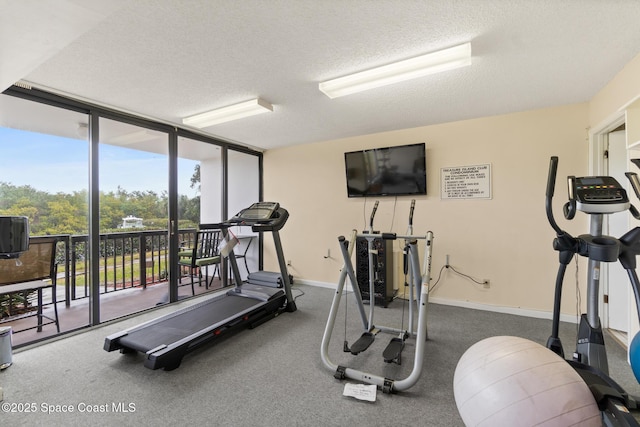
[257, 212]
[598, 194]
[262, 216]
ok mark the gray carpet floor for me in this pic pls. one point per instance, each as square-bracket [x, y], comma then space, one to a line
[268, 376]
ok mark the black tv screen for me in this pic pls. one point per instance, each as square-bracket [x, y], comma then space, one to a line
[389, 171]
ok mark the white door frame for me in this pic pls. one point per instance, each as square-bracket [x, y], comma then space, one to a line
[618, 280]
[597, 139]
[597, 144]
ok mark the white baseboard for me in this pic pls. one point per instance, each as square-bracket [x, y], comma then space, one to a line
[538, 314]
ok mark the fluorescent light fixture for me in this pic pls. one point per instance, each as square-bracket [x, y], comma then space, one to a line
[227, 114]
[431, 63]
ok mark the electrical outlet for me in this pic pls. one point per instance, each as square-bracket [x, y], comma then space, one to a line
[446, 263]
[288, 263]
[486, 283]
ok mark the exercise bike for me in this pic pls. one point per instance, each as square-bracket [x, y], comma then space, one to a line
[596, 196]
[393, 351]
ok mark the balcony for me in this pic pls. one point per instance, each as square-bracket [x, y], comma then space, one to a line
[133, 278]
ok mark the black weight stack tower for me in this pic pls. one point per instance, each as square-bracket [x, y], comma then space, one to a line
[383, 270]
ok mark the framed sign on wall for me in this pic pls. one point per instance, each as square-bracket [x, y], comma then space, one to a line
[465, 182]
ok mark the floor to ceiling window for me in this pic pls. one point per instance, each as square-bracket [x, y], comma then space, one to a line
[244, 190]
[43, 176]
[199, 202]
[46, 174]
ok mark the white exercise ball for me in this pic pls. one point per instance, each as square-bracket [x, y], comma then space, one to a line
[511, 381]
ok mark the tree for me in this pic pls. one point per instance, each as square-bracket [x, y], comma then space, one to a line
[63, 218]
[111, 212]
[195, 178]
[189, 210]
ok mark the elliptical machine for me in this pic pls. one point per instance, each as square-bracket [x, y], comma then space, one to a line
[596, 196]
[392, 352]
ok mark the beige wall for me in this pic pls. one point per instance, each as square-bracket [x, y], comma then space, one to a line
[506, 239]
[620, 91]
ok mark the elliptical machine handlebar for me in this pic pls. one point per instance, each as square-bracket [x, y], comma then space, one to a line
[551, 180]
[569, 209]
[565, 243]
[373, 214]
[413, 206]
[410, 226]
[635, 184]
[551, 184]
[567, 246]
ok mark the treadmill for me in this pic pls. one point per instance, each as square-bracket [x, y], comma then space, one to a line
[167, 339]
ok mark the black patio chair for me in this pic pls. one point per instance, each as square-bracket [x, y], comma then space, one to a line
[205, 253]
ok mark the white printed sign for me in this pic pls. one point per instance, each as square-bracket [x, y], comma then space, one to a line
[360, 391]
[466, 182]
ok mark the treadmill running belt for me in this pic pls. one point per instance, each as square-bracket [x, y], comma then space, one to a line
[168, 331]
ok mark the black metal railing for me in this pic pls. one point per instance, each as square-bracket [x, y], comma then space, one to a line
[127, 260]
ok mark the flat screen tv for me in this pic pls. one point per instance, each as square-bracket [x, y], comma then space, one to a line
[389, 171]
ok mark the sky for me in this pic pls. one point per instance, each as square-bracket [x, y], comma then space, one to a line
[55, 164]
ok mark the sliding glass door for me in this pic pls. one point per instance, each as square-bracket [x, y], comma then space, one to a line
[134, 239]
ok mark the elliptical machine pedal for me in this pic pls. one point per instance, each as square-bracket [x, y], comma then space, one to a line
[363, 343]
[393, 352]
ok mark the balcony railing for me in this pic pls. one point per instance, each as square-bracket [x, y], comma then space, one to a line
[127, 260]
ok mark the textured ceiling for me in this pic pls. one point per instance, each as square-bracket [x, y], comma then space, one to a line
[167, 59]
